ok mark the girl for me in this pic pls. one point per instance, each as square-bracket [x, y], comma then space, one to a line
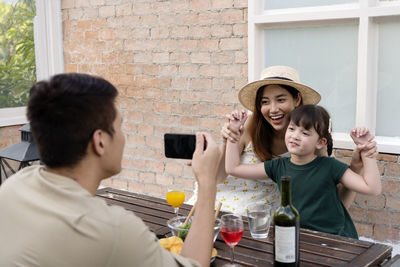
[314, 178]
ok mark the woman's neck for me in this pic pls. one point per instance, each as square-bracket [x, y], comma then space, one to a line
[302, 159]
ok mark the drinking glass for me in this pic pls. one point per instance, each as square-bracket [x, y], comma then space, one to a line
[259, 216]
[175, 198]
[232, 231]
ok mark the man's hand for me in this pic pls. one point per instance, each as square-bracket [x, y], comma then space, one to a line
[206, 159]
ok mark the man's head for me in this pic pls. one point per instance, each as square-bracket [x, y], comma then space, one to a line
[64, 113]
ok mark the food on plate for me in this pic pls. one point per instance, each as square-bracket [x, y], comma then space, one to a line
[174, 244]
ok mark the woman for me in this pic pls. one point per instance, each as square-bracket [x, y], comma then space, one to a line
[271, 99]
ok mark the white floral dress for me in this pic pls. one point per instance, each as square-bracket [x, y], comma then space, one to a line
[236, 193]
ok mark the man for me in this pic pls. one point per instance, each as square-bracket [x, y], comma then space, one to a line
[50, 216]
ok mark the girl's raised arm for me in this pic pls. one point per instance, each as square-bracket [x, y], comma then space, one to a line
[232, 157]
[369, 183]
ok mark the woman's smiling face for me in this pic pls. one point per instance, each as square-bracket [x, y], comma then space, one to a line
[276, 105]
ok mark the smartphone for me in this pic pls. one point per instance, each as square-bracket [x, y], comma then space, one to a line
[179, 146]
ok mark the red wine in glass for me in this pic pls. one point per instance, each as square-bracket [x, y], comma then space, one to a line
[231, 236]
[232, 231]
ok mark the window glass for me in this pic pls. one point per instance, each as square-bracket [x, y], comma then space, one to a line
[276, 4]
[387, 119]
[326, 59]
[17, 52]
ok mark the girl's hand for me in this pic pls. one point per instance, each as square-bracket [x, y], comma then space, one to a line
[361, 135]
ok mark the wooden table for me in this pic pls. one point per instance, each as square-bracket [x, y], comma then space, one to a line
[316, 248]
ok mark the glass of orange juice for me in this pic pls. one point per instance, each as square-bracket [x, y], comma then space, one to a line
[175, 198]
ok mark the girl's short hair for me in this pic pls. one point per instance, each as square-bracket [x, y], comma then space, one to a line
[308, 116]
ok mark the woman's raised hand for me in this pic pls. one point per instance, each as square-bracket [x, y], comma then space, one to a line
[232, 129]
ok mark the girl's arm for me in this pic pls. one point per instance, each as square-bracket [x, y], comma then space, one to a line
[232, 157]
[369, 183]
[230, 134]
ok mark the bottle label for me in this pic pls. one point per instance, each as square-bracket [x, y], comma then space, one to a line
[285, 244]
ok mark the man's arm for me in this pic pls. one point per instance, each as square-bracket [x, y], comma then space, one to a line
[199, 241]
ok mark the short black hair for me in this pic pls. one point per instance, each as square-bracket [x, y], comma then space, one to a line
[315, 116]
[65, 111]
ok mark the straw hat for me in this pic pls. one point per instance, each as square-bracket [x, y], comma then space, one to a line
[277, 75]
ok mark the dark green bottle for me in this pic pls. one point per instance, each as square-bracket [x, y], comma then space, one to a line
[286, 229]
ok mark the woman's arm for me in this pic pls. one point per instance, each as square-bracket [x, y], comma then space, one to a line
[369, 183]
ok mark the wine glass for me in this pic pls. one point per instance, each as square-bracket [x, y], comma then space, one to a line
[175, 198]
[232, 231]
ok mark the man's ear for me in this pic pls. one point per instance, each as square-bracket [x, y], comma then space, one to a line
[321, 143]
[97, 142]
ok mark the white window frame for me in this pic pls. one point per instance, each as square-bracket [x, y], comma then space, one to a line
[48, 52]
[364, 11]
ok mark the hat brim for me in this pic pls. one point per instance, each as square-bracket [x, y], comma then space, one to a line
[247, 95]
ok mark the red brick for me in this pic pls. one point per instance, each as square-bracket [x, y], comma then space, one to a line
[220, 31]
[179, 57]
[231, 16]
[201, 83]
[162, 107]
[119, 184]
[240, 3]
[141, 8]
[180, 83]
[383, 217]
[168, 45]
[154, 190]
[188, 70]
[209, 18]
[65, 4]
[222, 110]
[387, 157]
[160, 58]
[124, 10]
[164, 180]
[97, 2]
[240, 57]
[371, 201]
[167, 70]
[189, 121]
[392, 169]
[185, 45]
[179, 32]
[200, 5]
[202, 109]
[136, 187]
[211, 123]
[240, 29]
[230, 70]
[231, 44]
[393, 203]
[173, 168]
[208, 45]
[221, 4]
[106, 11]
[386, 233]
[223, 84]
[358, 214]
[222, 58]
[390, 186]
[200, 32]
[187, 18]
[365, 230]
[209, 71]
[75, 14]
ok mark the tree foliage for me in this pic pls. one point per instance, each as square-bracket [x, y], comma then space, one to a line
[17, 52]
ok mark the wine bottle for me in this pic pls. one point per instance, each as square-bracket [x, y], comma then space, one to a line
[286, 229]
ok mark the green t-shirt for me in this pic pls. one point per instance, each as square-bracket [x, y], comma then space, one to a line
[314, 193]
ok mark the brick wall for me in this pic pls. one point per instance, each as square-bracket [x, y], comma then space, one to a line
[178, 66]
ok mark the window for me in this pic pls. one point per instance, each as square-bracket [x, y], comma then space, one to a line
[346, 49]
[30, 50]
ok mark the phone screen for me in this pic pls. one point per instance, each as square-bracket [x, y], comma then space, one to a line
[180, 146]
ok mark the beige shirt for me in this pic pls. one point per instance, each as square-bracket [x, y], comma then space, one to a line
[50, 220]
